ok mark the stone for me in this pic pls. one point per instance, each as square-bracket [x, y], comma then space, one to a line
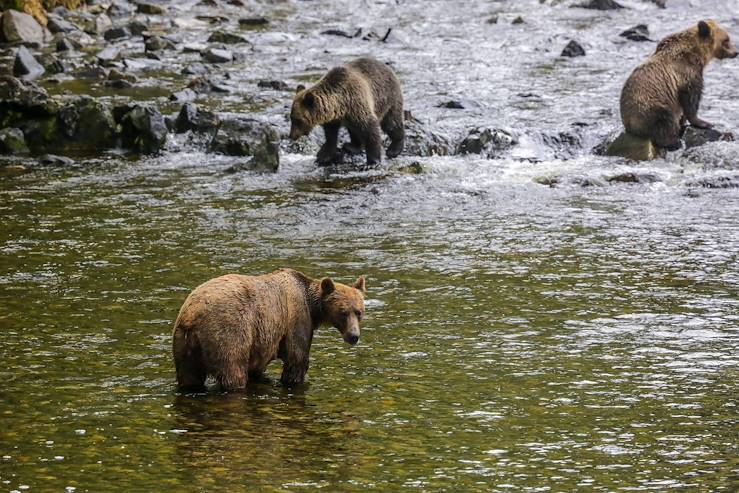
[183, 96]
[108, 55]
[117, 33]
[58, 24]
[196, 68]
[87, 124]
[149, 8]
[13, 142]
[137, 28]
[517, 20]
[227, 38]
[452, 105]
[143, 128]
[158, 43]
[637, 33]
[51, 63]
[26, 66]
[600, 5]
[487, 142]
[64, 44]
[253, 21]
[54, 160]
[19, 27]
[277, 85]
[116, 74]
[573, 49]
[634, 177]
[249, 137]
[215, 55]
[94, 24]
[695, 137]
[421, 141]
[118, 84]
[192, 118]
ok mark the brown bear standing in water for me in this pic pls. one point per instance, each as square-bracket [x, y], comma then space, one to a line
[233, 326]
[666, 90]
[364, 96]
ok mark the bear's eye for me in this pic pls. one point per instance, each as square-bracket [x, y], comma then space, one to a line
[358, 313]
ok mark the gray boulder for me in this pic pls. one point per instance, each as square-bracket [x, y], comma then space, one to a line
[13, 142]
[26, 66]
[19, 27]
[486, 142]
[249, 137]
[143, 128]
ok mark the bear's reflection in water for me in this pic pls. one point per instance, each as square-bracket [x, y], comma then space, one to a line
[244, 438]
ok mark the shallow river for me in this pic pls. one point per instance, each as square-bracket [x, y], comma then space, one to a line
[519, 337]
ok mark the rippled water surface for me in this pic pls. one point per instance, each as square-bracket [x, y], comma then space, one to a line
[519, 337]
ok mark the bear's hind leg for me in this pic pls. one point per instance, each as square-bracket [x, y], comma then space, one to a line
[393, 126]
[188, 361]
[666, 131]
[355, 146]
[374, 143]
[233, 377]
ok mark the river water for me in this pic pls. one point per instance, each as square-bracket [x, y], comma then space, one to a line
[582, 336]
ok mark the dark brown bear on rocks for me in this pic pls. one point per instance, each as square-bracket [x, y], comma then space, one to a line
[665, 91]
[233, 326]
[363, 96]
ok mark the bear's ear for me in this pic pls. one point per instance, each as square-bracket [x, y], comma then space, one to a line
[704, 30]
[300, 87]
[360, 284]
[327, 286]
[309, 101]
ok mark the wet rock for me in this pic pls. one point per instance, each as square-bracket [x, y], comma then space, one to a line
[57, 24]
[695, 137]
[54, 160]
[227, 38]
[600, 5]
[573, 49]
[277, 85]
[452, 105]
[118, 84]
[206, 85]
[517, 20]
[64, 44]
[117, 33]
[207, 3]
[487, 142]
[341, 34]
[116, 74]
[634, 177]
[420, 141]
[93, 24]
[142, 128]
[23, 28]
[51, 63]
[80, 38]
[193, 118]
[629, 147]
[120, 9]
[22, 98]
[13, 142]
[215, 55]
[660, 3]
[137, 28]
[26, 66]
[108, 55]
[195, 69]
[183, 96]
[149, 8]
[87, 124]
[253, 21]
[91, 72]
[158, 43]
[716, 182]
[493, 19]
[637, 33]
[248, 137]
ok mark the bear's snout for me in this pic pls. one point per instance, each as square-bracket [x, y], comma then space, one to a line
[351, 338]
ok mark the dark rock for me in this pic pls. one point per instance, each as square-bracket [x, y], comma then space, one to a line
[493, 19]
[420, 141]
[452, 105]
[13, 142]
[23, 28]
[93, 24]
[120, 9]
[142, 128]
[573, 49]
[149, 8]
[194, 47]
[197, 120]
[108, 55]
[64, 44]
[215, 55]
[26, 66]
[117, 33]
[54, 160]
[57, 24]
[88, 124]
[183, 96]
[340, 33]
[51, 64]
[207, 3]
[195, 69]
[227, 38]
[277, 85]
[637, 33]
[695, 137]
[158, 43]
[116, 74]
[253, 21]
[518, 20]
[137, 28]
[25, 98]
[634, 177]
[249, 137]
[91, 72]
[212, 19]
[600, 5]
[487, 142]
[717, 182]
[118, 84]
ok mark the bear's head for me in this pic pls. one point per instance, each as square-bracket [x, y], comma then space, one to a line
[717, 41]
[343, 307]
[302, 119]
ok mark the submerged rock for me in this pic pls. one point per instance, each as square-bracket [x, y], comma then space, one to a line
[695, 137]
[600, 5]
[26, 66]
[143, 128]
[13, 142]
[487, 142]
[248, 137]
[54, 160]
[637, 33]
[573, 49]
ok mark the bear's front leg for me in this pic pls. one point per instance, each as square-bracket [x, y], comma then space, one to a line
[293, 372]
[327, 153]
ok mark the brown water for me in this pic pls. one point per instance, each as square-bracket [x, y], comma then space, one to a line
[518, 337]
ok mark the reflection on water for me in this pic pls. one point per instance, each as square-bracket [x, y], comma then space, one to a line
[519, 337]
